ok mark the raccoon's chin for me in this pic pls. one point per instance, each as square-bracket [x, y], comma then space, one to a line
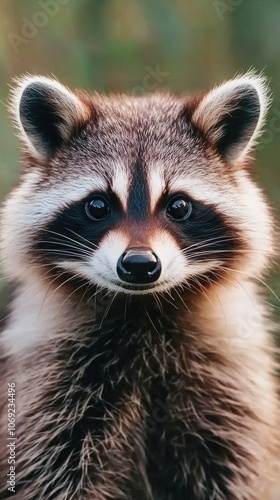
[132, 289]
[122, 287]
[137, 290]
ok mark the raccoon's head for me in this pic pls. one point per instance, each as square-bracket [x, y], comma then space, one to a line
[137, 194]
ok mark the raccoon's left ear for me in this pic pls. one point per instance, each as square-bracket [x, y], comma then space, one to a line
[231, 115]
[47, 114]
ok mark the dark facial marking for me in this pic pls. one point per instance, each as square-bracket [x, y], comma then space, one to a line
[72, 235]
[212, 234]
[219, 240]
[138, 200]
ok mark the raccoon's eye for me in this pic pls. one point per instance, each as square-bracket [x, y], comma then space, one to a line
[179, 208]
[97, 208]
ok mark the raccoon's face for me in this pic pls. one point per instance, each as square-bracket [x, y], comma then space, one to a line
[137, 195]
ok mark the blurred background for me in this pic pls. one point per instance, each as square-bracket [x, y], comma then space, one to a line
[141, 46]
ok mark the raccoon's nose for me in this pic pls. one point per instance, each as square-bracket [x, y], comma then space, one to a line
[138, 266]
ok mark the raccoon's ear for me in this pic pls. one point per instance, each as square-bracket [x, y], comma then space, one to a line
[231, 115]
[46, 114]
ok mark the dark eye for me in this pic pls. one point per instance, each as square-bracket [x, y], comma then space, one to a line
[179, 208]
[97, 208]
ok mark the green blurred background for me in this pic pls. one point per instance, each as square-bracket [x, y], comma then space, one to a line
[140, 46]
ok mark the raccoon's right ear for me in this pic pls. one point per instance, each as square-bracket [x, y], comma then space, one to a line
[46, 113]
[231, 116]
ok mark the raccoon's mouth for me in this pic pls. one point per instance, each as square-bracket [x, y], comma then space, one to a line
[136, 288]
[118, 286]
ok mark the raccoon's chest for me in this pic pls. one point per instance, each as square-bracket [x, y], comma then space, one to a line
[127, 413]
[134, 395]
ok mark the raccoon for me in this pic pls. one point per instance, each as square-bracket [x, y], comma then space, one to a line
[138, 341]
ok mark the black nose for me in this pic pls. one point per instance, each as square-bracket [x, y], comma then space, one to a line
[138, 266]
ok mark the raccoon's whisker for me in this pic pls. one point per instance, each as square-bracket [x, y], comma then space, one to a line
[54, 241]
[73, 247]
[151, 321]
[163, 295]
[219, 300]
[185, 285]
[83, 296]
[209, 241]
[211, 237]
[181, 299]
[95, 300]
[203, 244]
[68, 238]
[54, 279]
[70, 295]
[253, 278]
[274, 306]
[48, 289]
[6, 277]
[193, 287]
[107, 310]
[42, 278]
[158, 303]
[71, 278]
[213, 251]
[218, 276]
[242, 286]
[125, 307]
[62, 253]
[87, 241]
[100, 289]
[67, 248]
[94, 295]
[202, 289]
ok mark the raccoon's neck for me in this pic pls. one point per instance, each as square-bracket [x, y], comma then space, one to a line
[40, 315]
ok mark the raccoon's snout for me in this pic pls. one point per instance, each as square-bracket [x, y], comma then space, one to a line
[138, 266]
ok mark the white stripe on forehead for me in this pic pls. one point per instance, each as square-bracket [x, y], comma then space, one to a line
[156, 185]
[120, 184]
